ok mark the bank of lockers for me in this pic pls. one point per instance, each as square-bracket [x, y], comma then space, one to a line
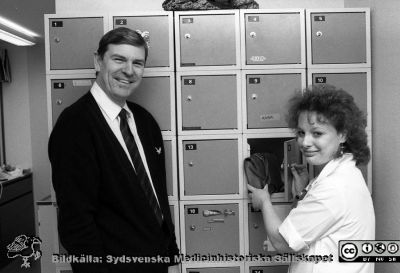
[156, 94]
[257, 242]
[355, 81]
[213, 227]
[210, 167]
[71, 42]
[160, 28]
[208, 102]
[281, 150]
[272, 39]
[207, 40]
[265, 95]
[338, 38]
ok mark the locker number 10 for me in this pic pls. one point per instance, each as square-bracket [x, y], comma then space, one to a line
[193, 211]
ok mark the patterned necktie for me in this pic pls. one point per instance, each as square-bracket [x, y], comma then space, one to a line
[138, 164]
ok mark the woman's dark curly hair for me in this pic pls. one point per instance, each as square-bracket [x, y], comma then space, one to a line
[339, 109]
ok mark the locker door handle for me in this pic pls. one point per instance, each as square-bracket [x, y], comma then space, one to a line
[253, 34]
[188, 36]
[57, 40]
[211, 212]
[254, 96]
[59, 102]
[191, 164]
[318, 33]
[189, 98]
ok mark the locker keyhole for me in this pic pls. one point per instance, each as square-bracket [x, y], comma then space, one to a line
[319, 33]
[188, 36]
[59, 102]
[253, 34]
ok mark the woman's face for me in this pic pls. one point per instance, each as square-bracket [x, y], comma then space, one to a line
[317, 138]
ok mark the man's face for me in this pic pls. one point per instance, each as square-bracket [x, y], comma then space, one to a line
[120, 71]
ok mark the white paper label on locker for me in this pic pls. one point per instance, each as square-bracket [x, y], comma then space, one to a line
[258, 58]
[82, 83]
[268, 117]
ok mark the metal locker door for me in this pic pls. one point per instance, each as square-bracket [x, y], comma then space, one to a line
[257, 232]
[354, 83]
[269, 269]
[154, 95]
[212, 229]
[292, 155]
[158, 28]
[209, 102]
[65, 92]
[210, 167]
[338, 38]
[214, 270]
[207, 40]
[273, 38]
[73, 42]
[267, 96]
[168, 166]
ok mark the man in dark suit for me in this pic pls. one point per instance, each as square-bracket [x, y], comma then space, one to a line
[108, 170]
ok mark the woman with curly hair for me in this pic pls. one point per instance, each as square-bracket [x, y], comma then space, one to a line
[336, 205]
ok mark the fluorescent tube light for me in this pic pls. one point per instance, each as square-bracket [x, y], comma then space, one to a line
[14, 39]
[16, 34]
[17, 28]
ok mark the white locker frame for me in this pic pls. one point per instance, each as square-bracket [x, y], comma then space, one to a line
[205, 202]
[282, 197]
[206, 12]
[208, 73]
[175, 204]
[264, 264]
[171, 75]
[50, 77]
[47, 215]
[174, 196]
[369, 165]
[171, 66]
[310, 73]
[190, 265]
[310, 65]
[232, 197]
[47, 44]
[243, 12]
[246, 229]
[245, 130]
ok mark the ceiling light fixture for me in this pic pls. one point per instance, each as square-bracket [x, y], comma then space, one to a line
[16, 34]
